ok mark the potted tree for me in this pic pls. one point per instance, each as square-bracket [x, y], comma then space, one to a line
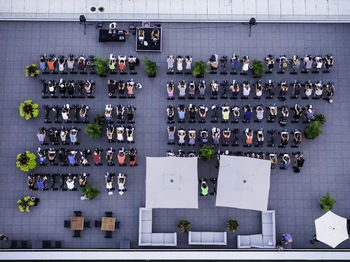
[184, 225]
[232, 225]
[95, 130]
[28, 110]
[327, 202]
[258, 68]
[26, 161]
[32, 70]
[206, 152]
[89, 192]
[100, 120]
[320, 118]
[150, 67]
[101, 66]
[24, 203]
[200, 68]
[312, 130]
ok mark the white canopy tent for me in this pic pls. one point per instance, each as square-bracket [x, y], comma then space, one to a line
[331, 229]
[243, 182]
[171, 182]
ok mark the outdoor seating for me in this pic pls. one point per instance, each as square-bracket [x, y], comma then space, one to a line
[207, 238]
[108, 214]
[146, 237]
[66, 223]
[98, 223]
[265, 240]
[76, 233]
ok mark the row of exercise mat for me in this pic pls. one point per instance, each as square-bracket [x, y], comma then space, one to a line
[66, 181]
[285, 157]
[118, 64]
[235, 90]
[232, 113]
[79, 113]
[85, 88]
[228, 137]
[70, 157]
[87, 64]
[308, 63]
[57, 136]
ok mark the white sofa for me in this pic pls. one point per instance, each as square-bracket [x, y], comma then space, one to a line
[207, 238]
[265, 240]
[146, 237]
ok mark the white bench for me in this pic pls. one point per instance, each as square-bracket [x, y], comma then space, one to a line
[207, 238]
[146, 237]
[265, 240]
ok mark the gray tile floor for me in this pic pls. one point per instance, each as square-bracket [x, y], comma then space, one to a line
[294, 197]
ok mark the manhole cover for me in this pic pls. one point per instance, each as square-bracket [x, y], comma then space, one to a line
[92, 9]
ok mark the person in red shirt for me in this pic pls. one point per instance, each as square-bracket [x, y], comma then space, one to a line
[121, 157]
[121, 62]
[51, 63]
[97, 156]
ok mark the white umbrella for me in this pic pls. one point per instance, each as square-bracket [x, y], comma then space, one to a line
[243, 182]
[331, 229]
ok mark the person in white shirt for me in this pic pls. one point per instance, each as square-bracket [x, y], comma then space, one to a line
[71, 182]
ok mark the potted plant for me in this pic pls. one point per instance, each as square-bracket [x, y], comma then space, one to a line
[101, 66]
[150, 67]
[89, 192]
[24, 204]
[258, 68]
[32, 70]
[320, 118]
[206, 152]
[26, 161]
[95, 130]
[327, 202]
[200, 68]
[232, 225]
[312, 130]
[100, 120]
[184, 225]
[28, 110]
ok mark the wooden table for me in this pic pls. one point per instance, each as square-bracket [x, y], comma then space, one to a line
[108, 224]
[76, 223]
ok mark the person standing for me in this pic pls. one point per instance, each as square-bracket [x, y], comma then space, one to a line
[3, 237]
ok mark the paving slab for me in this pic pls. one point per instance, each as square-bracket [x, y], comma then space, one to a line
[293, 196]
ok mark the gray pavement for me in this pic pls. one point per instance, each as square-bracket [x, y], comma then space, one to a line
[293, 196]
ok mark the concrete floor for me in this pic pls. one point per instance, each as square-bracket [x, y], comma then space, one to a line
[294, 197]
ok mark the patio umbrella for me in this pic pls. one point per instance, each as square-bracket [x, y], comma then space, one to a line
[331, 229]
[243, 182]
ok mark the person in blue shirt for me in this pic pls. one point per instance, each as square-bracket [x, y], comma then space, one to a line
[71, 157]
[285, 162]
[248, 113]
[43, 63]
[41, 182]
[235, 63]
[181, 110]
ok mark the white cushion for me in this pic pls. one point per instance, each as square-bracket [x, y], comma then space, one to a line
[196, 236]
[146, 226]
[267, 229]
[256, 240]
[157, 238]
[146, 238]
[243, 241]
[207, 237]
[219, 237]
